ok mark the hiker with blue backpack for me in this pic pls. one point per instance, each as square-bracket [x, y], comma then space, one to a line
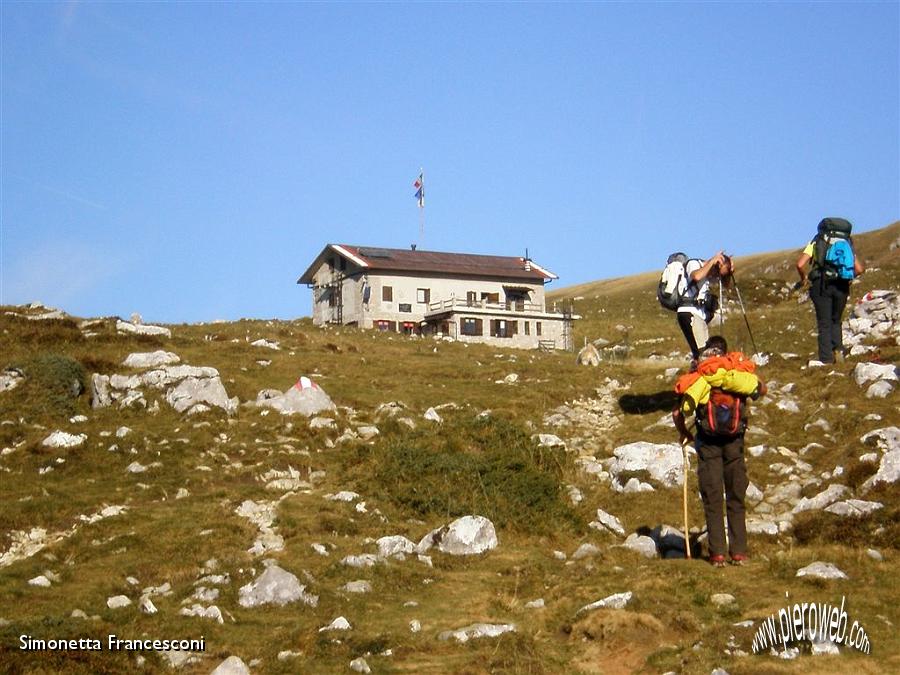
[834, 264]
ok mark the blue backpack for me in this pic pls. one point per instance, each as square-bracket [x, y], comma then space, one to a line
[833, 250]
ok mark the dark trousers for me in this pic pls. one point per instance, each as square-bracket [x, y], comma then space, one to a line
[721, 468]
[829, 298]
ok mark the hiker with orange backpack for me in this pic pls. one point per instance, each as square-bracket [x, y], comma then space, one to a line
[716, 395]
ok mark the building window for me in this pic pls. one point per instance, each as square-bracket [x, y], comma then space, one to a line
[404, 307]
[408, 328]
[472, 298]
[537, 328]
[387, 293]
[471, 327]
[423, 295]
[491, 297]
[383, 325]
[527, 328]
[504, 329]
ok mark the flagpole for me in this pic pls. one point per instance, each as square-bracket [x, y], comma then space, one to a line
[422, 209]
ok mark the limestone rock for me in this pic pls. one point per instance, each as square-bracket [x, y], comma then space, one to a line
[307, 401]
[854, 507]
[432, 416]
[231, 666]
[872, 372]
[615, 601]
[880, 389]
[828, 496]
[150, 359]
[821, 570]
[394, 545]
[476, 631]
[118, 601]
[10, 379]
[588, 356]
[359, 586]
[885, 439]
[641, 544]
[192, 391]
[126, 327]
[888, 471]
[359, 665]
[610, 522]
[586, 550]
[339, 623]
[469, 535]
[61, 439]
[662, 461]
[275, 586]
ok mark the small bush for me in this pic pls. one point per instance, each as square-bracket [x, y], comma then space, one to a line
[53, 383]
[481, 466]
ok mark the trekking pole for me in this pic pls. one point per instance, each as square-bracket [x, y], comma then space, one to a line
[687, 536]
[744, 312]
[721, 301]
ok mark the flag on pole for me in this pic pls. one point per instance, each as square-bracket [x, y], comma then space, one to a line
[419, 184]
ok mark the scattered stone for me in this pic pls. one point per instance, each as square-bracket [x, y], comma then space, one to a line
[304, 398]
[360, 586]
[125, 327]
[118, 601]
[360, 561]
[824, 648]
[10, 379]
[469, 535]
[211, 612]
[641, 544]
[146, 605]
[231, 666]
[888, 471]
[367, 432]
[40, 581]
[585, 551]
[275, 586]
[150, 359]
[535, 604]
[615, 601]
[359, 665]
[828, 496]
[192, 391]
[722, 599]
[821, 570]
[268, 344]
[339, 623]
[322, 423]
[61, 439]
[393, 546]
[415, 626]
[855, 508]
[342, 496]
[885, 439]
[873, 372]
[788, 405]
[588, 356]
[662, 461]
[135, 467]
[609, 521]
[476, 631]
[550, 441]
[880, 389]
[432, 416]
[874, 555]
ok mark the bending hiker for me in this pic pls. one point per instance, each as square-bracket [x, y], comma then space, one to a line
[716, 394]
[698, 303]
[834, 266]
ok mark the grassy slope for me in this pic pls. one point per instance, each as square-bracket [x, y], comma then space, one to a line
[161, 539]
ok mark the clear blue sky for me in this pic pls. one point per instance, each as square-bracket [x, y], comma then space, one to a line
[189, 160]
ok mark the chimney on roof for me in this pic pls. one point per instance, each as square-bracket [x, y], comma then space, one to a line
[527, 261]
[412, 247]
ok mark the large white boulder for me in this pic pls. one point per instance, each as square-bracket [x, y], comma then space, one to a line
[192, 391]
[150, 359]
[303, 400]
[275, 586]
[664, 462]
[888, 471]
[126, 327]
[821, 570]
[469, 535]
[872, 372]
[62, 439]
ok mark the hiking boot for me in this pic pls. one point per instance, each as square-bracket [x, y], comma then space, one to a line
[717, 560]
[740, 559]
